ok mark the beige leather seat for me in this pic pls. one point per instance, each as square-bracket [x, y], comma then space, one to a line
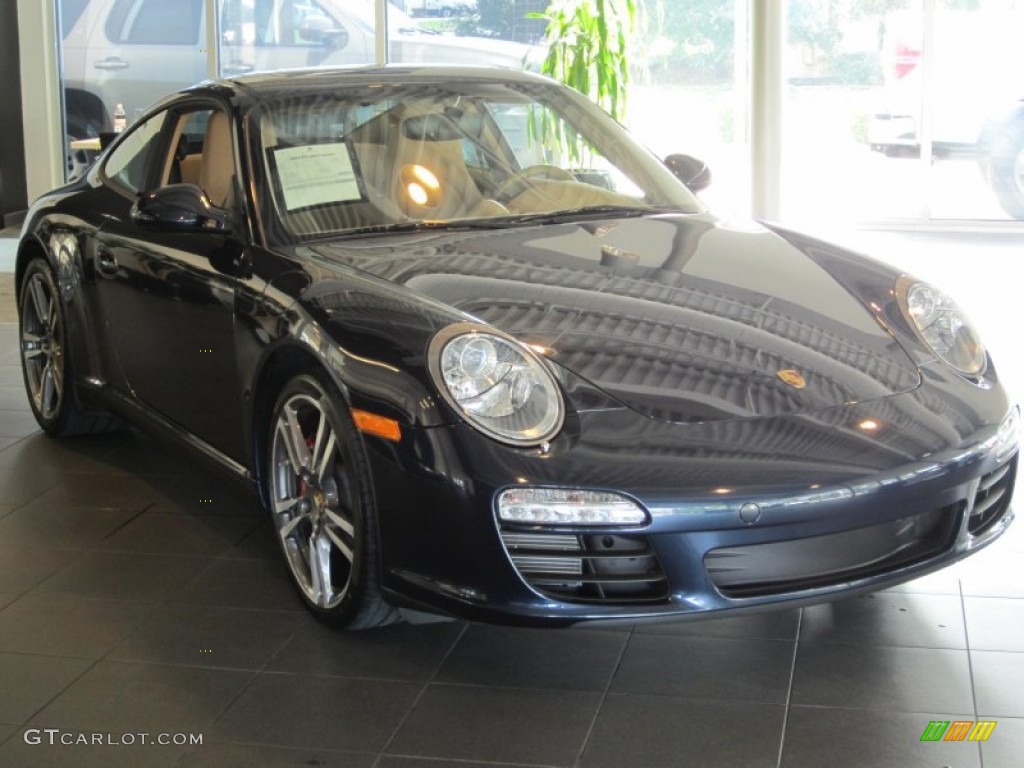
[217, 167]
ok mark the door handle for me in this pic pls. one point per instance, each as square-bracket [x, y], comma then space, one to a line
[106, 264]
[111, 62]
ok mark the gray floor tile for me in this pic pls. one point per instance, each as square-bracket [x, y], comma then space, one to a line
[159, 532]
[207, 636]
[818, 737]
[6, 599]
[995, 623]
[993, 574]
[882, 677]
[39, 524]
[777, 625]
[29, 682]
[706, 667]
[248, 756]
[306, 712]
[1006, 744]
[13, 399]
[125, 576]
[22, 568]
[59, 625]
[122, 697]
[17, 753]
[261, 544]
[395, 761]
[654, 731]
[18, 486]
[6, 731]
[17, 424]
[6, 509]
[534, 658]
[7, 442]
[260, 584]
[888, 618]
[397, 652]
[999, 682]
[10, 375]
[461, 723]
[113, 490]
[82, 454]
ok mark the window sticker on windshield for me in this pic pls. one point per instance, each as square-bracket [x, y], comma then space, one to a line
[317, 174]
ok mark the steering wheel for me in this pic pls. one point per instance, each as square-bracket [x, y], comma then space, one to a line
[520, 181]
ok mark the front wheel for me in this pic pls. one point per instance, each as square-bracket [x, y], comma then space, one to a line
[1006, 174]
[321, 501]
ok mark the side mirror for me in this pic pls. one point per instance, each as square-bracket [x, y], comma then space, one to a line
[323, 31]
[179, 208]
[694, 173]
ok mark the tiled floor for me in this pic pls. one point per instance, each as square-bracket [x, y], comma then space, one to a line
[130, 606]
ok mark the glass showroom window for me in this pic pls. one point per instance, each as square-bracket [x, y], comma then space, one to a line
[119, 56]
[263, 35]
[688, 91]
[873, 88]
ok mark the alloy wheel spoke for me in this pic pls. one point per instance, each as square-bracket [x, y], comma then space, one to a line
[342, 545]
[47, 389]
[295, 441]
[32, 353]
[286, 529]
[39, 303]
[323, 448]
[320, 568]
[339, 520]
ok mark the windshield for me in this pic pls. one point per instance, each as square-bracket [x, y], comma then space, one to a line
[474, 153]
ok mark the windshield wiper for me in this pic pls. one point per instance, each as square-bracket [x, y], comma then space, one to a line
[570, 214]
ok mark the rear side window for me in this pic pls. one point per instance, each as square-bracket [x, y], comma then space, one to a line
[155, 22]
[131, 163]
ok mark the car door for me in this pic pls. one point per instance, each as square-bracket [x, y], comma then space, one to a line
[167, 298]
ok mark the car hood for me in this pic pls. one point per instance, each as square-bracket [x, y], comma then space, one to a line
[680, 317]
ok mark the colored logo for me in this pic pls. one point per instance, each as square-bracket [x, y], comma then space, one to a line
[958, 730]
[792, 377]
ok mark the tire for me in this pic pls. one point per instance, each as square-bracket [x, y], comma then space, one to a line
[320, 497]
[1006, 174]
[45, 365]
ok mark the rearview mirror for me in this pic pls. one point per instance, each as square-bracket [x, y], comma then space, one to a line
[694, 173]
[179, 208]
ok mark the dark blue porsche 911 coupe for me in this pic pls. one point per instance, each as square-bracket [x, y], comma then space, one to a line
[483, 355]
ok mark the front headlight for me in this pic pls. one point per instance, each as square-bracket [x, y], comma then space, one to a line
[497, 384]
[942, 326]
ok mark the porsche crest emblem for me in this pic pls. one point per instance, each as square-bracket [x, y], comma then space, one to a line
[793, 378]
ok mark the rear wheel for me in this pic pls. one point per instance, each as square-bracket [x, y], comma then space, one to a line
[44, 361]
[321, 501]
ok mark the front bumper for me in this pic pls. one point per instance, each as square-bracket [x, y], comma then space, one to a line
[744, 515]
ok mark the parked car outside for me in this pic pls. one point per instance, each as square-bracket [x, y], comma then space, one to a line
[975, 103]
[131, 52]
[483, 355]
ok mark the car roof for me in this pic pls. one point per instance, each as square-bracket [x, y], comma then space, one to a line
[261, 86]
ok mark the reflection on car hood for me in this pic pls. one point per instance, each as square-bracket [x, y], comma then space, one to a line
[677, 316]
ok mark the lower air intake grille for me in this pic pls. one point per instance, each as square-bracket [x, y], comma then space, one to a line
[992, 498]
[593, 568]
[819, 561]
